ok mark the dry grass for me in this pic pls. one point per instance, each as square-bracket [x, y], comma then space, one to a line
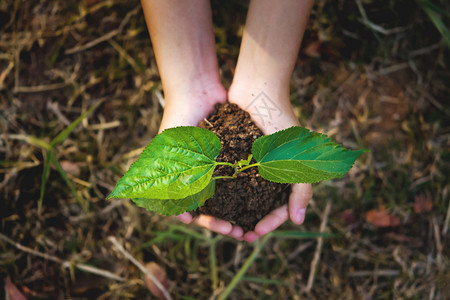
[372, 74]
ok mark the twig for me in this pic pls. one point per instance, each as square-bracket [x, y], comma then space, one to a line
[5, 73]
[104, 211]
[425, 50]
[103, 126]
[394, 68]
[316, 257]
[374, 26]
[436, 103]
[93, 43]
[208, 122]
[302, 247]
[122, 52]
[100, 272]
[83, 267]
[53, 106]
[105, 37]
[39, 88]
[160, 98]
[447, 218]
[141, 267]
[29, 250]
[439, 247]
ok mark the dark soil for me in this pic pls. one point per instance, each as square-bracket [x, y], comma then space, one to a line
[248, 198]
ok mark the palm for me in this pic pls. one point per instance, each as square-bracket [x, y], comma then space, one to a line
[191, 115]
[301, 193]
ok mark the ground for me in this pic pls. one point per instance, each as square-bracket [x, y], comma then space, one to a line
[371, 74]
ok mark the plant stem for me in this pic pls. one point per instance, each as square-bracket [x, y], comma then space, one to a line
[249, 166]
[222, 163]
[236, 168]
[223, 177]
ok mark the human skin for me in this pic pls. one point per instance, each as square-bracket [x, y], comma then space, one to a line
[266, 61]
[183, 43]
[184, 47]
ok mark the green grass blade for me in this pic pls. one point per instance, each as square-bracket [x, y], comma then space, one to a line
[160, 237]
[63, 134]
[239, 276]
[434, 7]
[63, 174]
[190, 232]
[213, 266]
[38, 142]
[31, 140]
[293, 234]
[44, 178]
[264, 280]
[435, 13]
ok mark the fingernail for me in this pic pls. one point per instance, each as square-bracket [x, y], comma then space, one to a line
[225, 229]
[300, 216]
[251, 237]
[185, 218]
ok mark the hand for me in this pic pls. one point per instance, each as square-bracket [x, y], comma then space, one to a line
[281, 117]
[298, 201]
[189, 112]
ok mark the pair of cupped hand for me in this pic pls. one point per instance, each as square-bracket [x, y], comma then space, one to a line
[298, 200]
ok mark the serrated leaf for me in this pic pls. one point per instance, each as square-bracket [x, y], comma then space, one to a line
[297, 155]
[177, 163]
[169, 207]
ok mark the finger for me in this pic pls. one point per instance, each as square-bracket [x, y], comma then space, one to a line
[272, 220]
[237, 232]
[298, 201]
[251, 236]
[186, 218]
[213, 224]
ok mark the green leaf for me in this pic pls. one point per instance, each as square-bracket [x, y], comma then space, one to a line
[177, 206]
[296, 155]
[177, 163]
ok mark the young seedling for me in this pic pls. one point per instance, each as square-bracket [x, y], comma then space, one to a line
[174, 173]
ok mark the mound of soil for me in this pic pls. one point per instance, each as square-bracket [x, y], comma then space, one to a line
[248, 198]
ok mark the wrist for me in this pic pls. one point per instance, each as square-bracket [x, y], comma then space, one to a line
[187, 107]
[268, 105]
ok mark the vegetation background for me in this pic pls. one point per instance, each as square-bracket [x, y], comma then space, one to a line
[372, 74]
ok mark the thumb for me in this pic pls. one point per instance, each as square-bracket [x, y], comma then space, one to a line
[298, 201]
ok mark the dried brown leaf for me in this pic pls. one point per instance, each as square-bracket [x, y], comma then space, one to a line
[70, 168]
[381, 218]
[161, 275]
[422, 203]
[12, 292]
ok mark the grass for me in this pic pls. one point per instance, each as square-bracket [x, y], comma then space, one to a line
[372, 74]
[436, 15]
